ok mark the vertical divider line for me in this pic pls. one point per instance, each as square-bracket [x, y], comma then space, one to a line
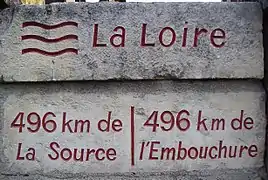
[132, 135]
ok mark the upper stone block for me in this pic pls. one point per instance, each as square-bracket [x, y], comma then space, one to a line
[100, 41]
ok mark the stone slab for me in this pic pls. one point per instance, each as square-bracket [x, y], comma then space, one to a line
[131, 146]
[66, 51]
[230, 174]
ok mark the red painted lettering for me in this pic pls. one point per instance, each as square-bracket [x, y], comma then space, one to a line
[77, 126]
[68, 154]
[222, 148]
[210, 152]
[230, 151]
[19, 157]
[192, 150]
[203, 152]
[181, 121]
[142, 149]
[200, 122]
[30, 119]
[89, 152]
[121, 37]
[18, 121]
[170, 121]
[216, 124]
[143, 37]
[217, 37]
[197, 34]
[30, 154]
[49, 122]
[217, 34]
[66, 124]
[248, 123]
[173, 39]
[180, 150]
[82, 123]
[253, 151]
[34, 122]
[97, 154]
[52, 145]
[169, 152]
[75, 154]
[242, 148]
[238, 123]
[111, 154]
[184, 36]
[153, 149]
[117, 125]
[95, 37]
[153, 118]
[105, 124]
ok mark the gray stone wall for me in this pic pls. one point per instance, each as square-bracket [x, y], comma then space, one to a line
[133, 91]
[133, 41]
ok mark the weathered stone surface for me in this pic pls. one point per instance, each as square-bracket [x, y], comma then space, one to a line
[241, 55]
[230, 174]
[92, 101]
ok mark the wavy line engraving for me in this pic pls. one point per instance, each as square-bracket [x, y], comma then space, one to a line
[46, 53]
[45, 26]
[55, 40]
